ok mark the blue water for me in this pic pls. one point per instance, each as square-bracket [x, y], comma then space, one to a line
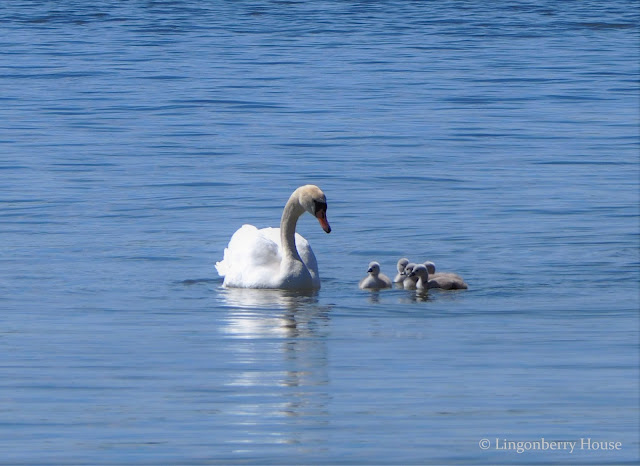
[498, 139]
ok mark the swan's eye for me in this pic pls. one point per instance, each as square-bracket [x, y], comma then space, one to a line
[319, 206]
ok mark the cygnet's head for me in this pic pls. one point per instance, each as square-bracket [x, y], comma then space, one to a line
[408, 268]
[402, 263]
[420, 271]
[431, 267]
[374, 268]
[313, 200]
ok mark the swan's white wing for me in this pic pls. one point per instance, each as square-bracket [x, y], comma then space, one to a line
[252, 258]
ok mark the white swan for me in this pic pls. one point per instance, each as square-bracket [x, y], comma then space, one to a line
[446, 281]
[375, 279]
[276, 258]
[402, 263]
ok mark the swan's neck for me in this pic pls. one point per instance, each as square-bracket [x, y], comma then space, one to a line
[292, 211]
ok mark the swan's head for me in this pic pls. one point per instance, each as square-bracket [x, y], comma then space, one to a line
[374, 268]
[420, 271]
[409, 268]
[402, 263]
[431, 267]
[313, 200]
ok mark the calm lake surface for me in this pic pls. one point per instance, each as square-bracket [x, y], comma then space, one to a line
[497, 139]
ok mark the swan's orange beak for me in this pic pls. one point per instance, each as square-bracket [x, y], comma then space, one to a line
[321, 215]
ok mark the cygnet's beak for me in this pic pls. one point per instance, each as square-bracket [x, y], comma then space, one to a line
[321, 215]
[369, 270]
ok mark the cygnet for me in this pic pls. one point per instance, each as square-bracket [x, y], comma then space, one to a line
[375, 279]
[431, 268]
[410, 281]
[402, 263]
[445, 282]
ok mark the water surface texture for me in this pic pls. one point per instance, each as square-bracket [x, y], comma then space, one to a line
[497, 139]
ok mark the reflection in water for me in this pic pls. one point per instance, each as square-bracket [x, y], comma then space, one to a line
[280, 366]
[255, 298]
[413, 296]
[374, 297]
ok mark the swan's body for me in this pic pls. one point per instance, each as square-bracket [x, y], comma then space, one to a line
[402, 263]
[375, 279]
[445, 282]
[276, 258]
[410, 280]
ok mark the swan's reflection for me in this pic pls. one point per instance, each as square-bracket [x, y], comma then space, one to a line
[280, 363]
[259, 313]
[256, 298]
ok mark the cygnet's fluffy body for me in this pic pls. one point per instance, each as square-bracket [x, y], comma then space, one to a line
[445, 282]
[402, 263]
[374, 280]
